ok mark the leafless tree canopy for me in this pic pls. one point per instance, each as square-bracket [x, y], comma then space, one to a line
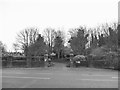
[26, 38]
[49, 36]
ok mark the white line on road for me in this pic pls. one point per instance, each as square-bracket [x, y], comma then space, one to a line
[115, 77]
[43, 73]
[96, 75]
[13, 73]
[97, 80]
[25, 77]
[23, 73]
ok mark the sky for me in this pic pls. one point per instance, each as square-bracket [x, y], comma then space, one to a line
[16, 15]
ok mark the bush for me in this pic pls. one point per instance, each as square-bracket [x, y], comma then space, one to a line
[99, 63]
[108, 61]
[116, 63]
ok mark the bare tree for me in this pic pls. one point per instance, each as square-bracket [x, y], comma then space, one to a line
[49, 36]
[107, 34]
[16, 47]
[104, 28]
[25, 38]
[73, 32]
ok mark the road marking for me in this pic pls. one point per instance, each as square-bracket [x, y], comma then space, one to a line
[12, 73]
[97, 80]
[23, 73]
[25, 77]
[43, 73]
[95, 75]
[115, 77]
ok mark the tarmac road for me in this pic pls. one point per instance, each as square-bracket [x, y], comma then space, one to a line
[59, 76]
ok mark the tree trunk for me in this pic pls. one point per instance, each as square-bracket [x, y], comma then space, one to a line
[58, 54]
[28, 61]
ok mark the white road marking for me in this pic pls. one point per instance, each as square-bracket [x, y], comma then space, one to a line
[43, 73]
[12, 73]
[26, 77]
[96, 75]
[97, 80]
[23, 73]
[115, 77]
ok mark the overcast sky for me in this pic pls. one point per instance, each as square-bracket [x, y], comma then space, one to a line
[16, 15]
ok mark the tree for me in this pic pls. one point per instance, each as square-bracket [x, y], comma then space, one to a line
[113, 36]
[2, 52]
[73, 32]
[78, 42]
[94, 41]
[49, 36]
[16, 47]
[59, 43]
[101, 40]
[38, 48]
[112, 39]
[109, 37]
[67, 50]
[118, 28]
[2, 48]
[25, 38]
[107, 34]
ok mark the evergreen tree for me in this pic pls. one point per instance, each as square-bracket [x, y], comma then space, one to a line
[58, 46]
[78, 43]
[38, 48]
[2, 48]
[113, 37]
[118, 28]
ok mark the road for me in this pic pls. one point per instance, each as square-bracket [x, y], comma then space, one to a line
[59, 76]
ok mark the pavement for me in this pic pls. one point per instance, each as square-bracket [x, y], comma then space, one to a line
[59, 76]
